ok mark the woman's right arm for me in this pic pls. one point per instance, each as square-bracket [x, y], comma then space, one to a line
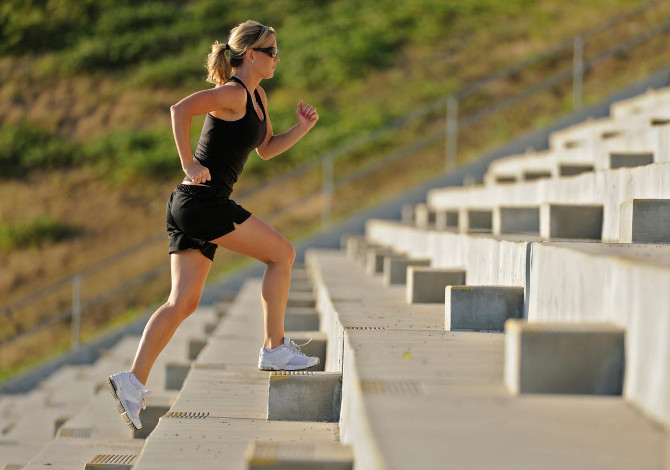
[201, 102]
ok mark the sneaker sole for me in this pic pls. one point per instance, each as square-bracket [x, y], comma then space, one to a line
[119, 406]
[290, 367]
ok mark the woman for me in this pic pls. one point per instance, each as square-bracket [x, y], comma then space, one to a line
[201, 217]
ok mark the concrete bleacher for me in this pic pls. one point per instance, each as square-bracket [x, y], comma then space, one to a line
[518, 324]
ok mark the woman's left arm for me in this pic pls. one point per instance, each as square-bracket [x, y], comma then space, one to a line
[273, 145]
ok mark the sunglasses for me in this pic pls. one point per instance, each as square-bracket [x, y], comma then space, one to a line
[271, 51]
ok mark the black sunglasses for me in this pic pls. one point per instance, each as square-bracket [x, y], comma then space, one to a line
[271, 51]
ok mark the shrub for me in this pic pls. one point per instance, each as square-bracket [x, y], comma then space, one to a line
[35, 233]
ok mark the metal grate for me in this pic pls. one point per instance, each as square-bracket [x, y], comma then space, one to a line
[346, 300]
[187, 414]
[112, 461]
[365, 327]
[391, 387]
[288, 373]
[81, 433]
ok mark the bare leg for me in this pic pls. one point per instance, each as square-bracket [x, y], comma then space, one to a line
[189, 271]
[257, 239]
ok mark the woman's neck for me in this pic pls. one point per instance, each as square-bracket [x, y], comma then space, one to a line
[250, 80]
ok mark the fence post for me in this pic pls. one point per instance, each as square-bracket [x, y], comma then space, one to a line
[327, 191]
[76, 310]
[578, 72]
[452, 133]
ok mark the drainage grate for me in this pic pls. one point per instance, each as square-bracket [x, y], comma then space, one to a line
[13, 466]
[365, 327]
[273, 451]
[346, 300]
[209, 366]
[81, 433]
[288, 373]
[388, 387]
[112, 461]
[187, 414]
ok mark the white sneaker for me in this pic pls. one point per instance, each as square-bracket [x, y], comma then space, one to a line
[130, 398]
[288, 356]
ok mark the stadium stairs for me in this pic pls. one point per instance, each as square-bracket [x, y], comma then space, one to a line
[521, 323]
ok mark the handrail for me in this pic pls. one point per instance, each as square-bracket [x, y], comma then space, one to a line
[364, 140]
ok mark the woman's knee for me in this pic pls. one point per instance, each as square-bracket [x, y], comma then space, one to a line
[182, 306]
[285, 254]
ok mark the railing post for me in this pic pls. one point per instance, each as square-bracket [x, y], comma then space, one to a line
[76, 310]
[578, 72]
[327, 191]
[452, 134]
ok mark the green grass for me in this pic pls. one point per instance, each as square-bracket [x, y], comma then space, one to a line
[34, 233]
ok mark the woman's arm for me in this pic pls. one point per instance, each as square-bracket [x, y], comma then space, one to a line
[273, 145]
[201, 102]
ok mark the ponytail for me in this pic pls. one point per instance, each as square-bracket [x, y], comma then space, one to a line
[243, 37]
[219, 69]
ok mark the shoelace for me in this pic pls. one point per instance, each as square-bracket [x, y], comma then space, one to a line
[296, 347]
[143, 398]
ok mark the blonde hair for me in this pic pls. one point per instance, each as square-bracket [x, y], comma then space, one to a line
[242, 37]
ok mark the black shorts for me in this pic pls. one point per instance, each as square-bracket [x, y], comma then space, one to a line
[197, 214]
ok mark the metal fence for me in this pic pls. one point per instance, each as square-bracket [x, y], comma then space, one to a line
[450, 109]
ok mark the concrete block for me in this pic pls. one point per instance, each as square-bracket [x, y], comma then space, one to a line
[645, 221]
[505, 179]
[195, 346]
[475, 220]
[510, 220]
[301, 286]
[564, 358]
[305, 396]
[158, 405]
[352, 246]
[175, 374]
[426, 285]
[630, 159]
[395, 268]
[534, 175]
[446, 220]
[481, 307]
[301, 300]
[316, 347]
[59, 422]
[583, 221]
[111, 462]
[299, 456]
[573, 169]
[375, 259]
[407, 213]
[424, 216]
[301, 319]
[208, 328]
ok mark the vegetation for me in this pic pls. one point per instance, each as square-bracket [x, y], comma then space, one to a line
[87, 158]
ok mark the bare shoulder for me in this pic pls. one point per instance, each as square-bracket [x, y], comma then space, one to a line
[231, 93]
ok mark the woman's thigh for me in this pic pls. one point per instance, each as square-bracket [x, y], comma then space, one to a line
[255, 238]
[189, 270]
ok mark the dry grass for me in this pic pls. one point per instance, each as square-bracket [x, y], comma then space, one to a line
[115, 218]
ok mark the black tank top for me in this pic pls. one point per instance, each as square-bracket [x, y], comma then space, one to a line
[224, 146]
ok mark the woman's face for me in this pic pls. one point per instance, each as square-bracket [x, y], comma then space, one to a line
[265, 63]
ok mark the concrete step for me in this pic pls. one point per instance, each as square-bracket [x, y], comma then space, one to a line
[416, 398]
[305, 396]
[299, 456]
[481, 307]
[301, 319]
[427, 284]
[570, 358]
[66, 453]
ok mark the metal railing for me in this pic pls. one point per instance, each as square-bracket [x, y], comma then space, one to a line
[455, 121]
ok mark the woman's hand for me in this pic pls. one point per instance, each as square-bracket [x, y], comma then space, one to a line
[306, 115]
[197, 172]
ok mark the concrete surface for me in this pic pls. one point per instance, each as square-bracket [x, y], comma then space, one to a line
[569, 358]
[481, 307]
